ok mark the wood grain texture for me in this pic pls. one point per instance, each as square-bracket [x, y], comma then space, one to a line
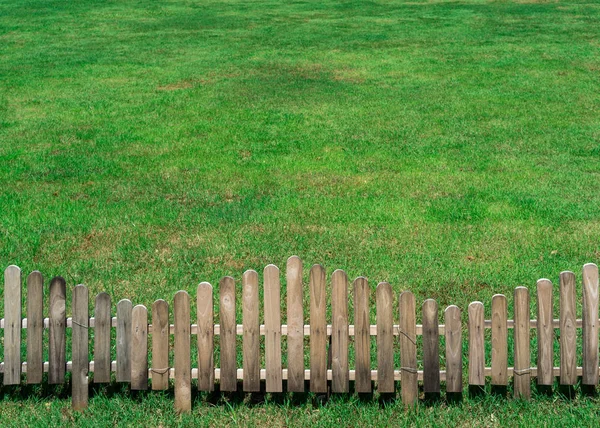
[272, 307]
[139, 348]
[124, 308]
[590, 325]
[318, 330]
[160, 345]
[476, 345]
[102, 328]
[228, 334]
[568, 329]
[408, 348]
[385, 338]
[12, 325]
[452, 319]
[35, 327]
[522, 371]
[80, 348]
[295, 321]
[183, 365]
[362, 337]
[545, 333]
[205, 321]
[251, 323]
[431, 347]
[57, 362]
[499, 340]
[340, 374]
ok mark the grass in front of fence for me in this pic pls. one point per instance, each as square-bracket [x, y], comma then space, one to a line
[449, 148]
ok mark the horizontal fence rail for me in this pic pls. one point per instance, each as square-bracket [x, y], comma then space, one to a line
[167, 329]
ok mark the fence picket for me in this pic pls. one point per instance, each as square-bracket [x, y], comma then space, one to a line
[545, 333]
[57, 363]
[431, 348]
[590, 325]
[35, 327]
[228, 334]
[408, 348]
[80, 348]
[251, 323]
[12, 326]
[295, 320]
[499, 341]
[183, 366]
[160, 345]
[385, 338]
[272, 298]
[340, 376]
[139, 348]
[102, 328]
[522, 371]
[453, 349]
[568, 329]
[476, 345]
[206, 331]
[362, 337]
[318, 330]
[124, 308]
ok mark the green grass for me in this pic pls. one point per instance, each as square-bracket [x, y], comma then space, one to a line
[450, 148]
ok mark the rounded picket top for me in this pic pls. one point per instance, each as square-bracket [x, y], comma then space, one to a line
[250, 275]
[451, 309]
[339, 274]
[543, 284]
[430, 304]
[12, 270]
[36, 276]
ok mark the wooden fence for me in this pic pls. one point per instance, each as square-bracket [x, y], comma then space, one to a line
[329, 343]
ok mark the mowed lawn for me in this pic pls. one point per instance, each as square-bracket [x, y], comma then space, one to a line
[450, 148]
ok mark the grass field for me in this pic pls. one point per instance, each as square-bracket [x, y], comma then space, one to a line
[450, 148]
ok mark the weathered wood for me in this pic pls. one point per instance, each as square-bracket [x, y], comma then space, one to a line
[139, 348]
[408, 348]
[385, 338]
[160, 345]
[568, 329]
[80, 348]
[590, 325]
[340, 375]
[522, 371]
[431, 347]
[228, 334]
[453, 349]
[476, 345]
[35, 327]
[545, 333]
[12, 325]
[499, 340]
[102, 328]
[318, 330]
[272, 302]
[251, 323]
[124, 308]
[183, 365]
[205, 320]
[295, 320]
[362, 338]
[57, 363]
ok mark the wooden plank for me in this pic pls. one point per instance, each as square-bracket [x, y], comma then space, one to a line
[295, 327]
[385, 338]
[522, 371]
[35, 327]
[568, 329]
[272, 297]
[590, 325]
[545, 333]
[183, 365]
[139, 348]
[12, 325]
[453, 349]
[124, 308]
[205, 320]
[499, 340]
[102, 328]
[408, 348]
[251, 322]
[340, 380]
[476, 345]
[57, 324]
[431, 347]
[80, 348]
[318, 330]
[362, 338]
[160, 345]
[228, 334]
